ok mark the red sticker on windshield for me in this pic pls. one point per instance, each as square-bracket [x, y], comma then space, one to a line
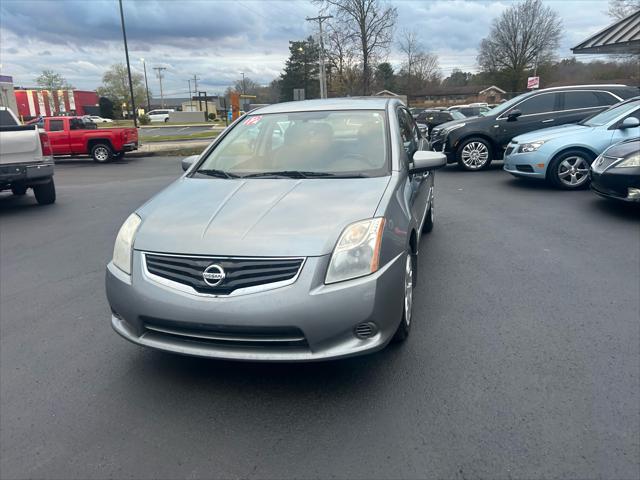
[253, 120]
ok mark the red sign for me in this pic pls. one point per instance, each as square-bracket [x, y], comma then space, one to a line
[533, 82]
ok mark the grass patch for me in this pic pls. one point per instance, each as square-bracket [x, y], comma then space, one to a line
[179, 138]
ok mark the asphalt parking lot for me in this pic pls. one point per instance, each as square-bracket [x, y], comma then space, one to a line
[523, 361]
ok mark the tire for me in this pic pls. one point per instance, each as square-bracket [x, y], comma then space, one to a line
[118, 156]
[402, 332]
[474, 154]
[166, 120]
[101, 153]
[45, 193]
[570, 170]
[18, 190]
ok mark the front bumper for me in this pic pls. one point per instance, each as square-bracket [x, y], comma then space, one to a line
[532, 164]
[325, 314]
[27, 174]
[617, 183]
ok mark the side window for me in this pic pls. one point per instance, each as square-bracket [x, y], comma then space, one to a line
[538, 104]
[56, 125]
[605, 99]
[408, 132]
[6, 118]
[576, 100]
[75, 124]
[634, 114]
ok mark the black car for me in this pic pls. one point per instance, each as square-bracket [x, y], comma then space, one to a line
[616, 173]
[489, 135]
[427, 119]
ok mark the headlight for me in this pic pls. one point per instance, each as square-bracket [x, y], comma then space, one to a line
[450, 129]
[357, 252]
[530, 147]
[124, 243]
[632, 161]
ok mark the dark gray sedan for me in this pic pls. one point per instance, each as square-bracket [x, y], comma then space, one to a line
[293, 237]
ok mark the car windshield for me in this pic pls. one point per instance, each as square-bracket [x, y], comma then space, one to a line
[503, 107]
[456, 114]
[610, 114]
[302, 145]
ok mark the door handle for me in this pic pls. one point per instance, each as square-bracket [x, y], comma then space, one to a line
[549, 120]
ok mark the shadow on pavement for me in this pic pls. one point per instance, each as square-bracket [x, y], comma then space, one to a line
[618, 209]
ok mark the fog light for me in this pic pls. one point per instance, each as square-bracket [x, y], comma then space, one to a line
[365, 330]
[633, 194]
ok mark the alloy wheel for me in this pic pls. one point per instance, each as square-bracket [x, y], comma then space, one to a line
[102, 154]
[408, 289]
[475, 155]
[573, 171]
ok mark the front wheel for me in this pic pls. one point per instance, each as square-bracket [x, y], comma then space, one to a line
[570, 170]
[45, 193]
[474, 154]
[101, 153]
[407, 307]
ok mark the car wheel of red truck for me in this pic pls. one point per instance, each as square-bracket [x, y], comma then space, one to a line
[101, 153]
[45, 193]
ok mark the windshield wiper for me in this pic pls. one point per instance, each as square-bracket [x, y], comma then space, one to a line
[304, 174]
[212, 172]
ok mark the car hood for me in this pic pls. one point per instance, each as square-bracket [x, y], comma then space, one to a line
[255, 217]
[551, 133]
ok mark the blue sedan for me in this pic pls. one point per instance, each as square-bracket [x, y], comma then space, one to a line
[562, 155]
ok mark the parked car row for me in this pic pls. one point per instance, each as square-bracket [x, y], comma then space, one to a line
[553, 134]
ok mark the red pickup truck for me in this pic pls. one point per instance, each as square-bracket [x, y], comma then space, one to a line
[76, 136]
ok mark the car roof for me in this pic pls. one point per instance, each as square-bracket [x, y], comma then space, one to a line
[350, 103]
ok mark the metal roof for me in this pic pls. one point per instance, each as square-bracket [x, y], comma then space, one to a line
[351, 103]
[619, 38]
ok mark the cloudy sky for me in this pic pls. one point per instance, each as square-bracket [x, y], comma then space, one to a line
[217, 39]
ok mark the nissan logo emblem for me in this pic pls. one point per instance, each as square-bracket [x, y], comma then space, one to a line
[213, 275]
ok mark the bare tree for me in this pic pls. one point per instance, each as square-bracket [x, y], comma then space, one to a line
[342, 61]
[620, 9]
[410, 47]
[419, 67]
[370, 23]
[525, 35]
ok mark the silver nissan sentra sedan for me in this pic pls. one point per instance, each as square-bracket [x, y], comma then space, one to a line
[293, 237]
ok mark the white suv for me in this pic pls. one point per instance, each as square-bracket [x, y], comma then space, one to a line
[160, 115]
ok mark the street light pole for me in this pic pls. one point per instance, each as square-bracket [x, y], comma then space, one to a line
[146, 84]
[126, 52]
[243, 88]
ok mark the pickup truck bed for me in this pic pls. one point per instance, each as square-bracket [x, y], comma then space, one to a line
[25, 159]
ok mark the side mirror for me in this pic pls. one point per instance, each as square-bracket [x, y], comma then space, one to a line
[424, 160]
[513, 115]
[630, 122]
[188, 161]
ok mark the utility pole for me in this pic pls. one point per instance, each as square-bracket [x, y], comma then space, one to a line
[243, 89]
[190, 97]
[323, 73]
[146, 84]
[159, 73]
[126, 52]
[195, 83]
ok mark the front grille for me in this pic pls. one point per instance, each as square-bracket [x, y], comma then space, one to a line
[225, 336]
[239, 273]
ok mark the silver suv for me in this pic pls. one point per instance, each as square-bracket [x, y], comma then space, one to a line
[293, 237]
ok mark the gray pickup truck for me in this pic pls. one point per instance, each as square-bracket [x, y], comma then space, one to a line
[26, 159]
